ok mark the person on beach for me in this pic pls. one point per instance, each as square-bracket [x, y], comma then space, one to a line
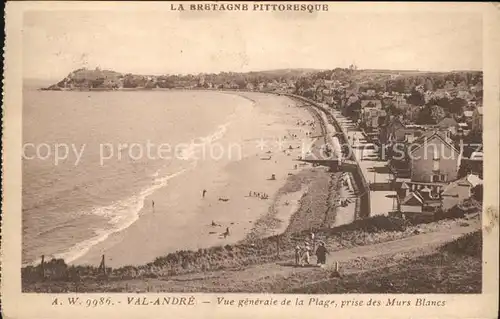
[226, 233]
[203, 194]
[153, 204]
[321, 254]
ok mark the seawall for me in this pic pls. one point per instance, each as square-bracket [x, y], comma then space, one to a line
[362, 188]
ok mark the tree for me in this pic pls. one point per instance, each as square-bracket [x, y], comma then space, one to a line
[302, 85]
[429, 85]
[430, 115]
[456, 105]
[392, 109]
[437, 114]
[416, 98]
[309, 93]
[353, 106]
[242, 84]
[96, 83]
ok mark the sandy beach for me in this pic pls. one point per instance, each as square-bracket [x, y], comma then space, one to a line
[182, 218]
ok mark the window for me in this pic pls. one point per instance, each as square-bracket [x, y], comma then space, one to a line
[435, 163]
[438, 178]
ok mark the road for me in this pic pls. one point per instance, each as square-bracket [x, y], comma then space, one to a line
[239, 280]
[375, 171]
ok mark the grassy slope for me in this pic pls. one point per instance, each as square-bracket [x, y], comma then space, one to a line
[455, 268]
[236, 258]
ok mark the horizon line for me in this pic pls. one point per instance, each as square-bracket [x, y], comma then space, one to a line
[265, 70]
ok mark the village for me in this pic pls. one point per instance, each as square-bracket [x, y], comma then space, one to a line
[405, 178]
[387, 115]
[417, 137]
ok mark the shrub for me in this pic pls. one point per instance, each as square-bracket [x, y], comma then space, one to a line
[375, 224]
[470, 244]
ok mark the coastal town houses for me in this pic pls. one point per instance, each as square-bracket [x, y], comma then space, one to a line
[434, 158]
[472, 161]
[393, 130]
[467, 117]
[463, 129]
[372, 117]
[415, 199]
[433, 163]
[371, 103]
[325, 94]
[459, 190]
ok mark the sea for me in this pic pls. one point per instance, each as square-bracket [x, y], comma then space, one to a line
[91, 158]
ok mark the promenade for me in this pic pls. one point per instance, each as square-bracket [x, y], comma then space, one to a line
[375, 171]
[343, 214]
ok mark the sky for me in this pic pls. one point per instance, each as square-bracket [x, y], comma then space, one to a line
[161, 41]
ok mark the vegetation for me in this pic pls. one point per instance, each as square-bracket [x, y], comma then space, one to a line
[361, 232]
[419, 97]
[470, 244]
[456, 268]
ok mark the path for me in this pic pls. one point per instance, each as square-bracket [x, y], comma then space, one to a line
[343, 214]
[225, 280]
[382, 199]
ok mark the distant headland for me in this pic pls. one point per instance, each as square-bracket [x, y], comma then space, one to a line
[306, 82]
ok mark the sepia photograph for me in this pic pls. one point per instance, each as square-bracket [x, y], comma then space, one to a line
[346, 165]
[276, 148]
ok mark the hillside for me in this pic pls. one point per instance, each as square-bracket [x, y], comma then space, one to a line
[397, 80]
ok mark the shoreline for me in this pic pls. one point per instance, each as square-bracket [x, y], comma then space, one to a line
[285, 214]
[120, 248]
[116, 214]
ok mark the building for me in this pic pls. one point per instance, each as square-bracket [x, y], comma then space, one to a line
[459, 190]
[433, 163]
[434, 158]
[420, 198]
[428, 158]
[372, 118]
[328, 99]
[467, 116]
[477, 119]
[370, 93]
[394, 131]
[463, 129]
[377, 104]
[395, 139]
[473, 164]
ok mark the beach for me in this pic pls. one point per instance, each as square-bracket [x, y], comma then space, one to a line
[262, 136]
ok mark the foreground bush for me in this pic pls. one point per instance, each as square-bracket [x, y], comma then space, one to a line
[470, 244]
[375, 224]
